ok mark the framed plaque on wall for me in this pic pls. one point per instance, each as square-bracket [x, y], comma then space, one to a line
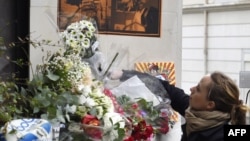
[121, 17]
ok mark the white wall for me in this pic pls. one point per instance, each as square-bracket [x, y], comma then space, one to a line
[164, 48]
[42, 26]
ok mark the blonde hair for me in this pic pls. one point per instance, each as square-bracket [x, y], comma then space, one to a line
[225, 93]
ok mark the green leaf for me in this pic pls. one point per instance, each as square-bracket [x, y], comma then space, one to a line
[44, 102]
[36, 110]
[52, 76]
[18, 111]
[23, 91]
[52, 112]
[1, 98]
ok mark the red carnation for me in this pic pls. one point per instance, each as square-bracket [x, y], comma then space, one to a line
[118, 108]
[164, 129]
[142, 131]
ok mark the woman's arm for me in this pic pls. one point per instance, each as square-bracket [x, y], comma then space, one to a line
[179, 100]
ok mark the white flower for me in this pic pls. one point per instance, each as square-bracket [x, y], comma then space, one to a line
[90, 102]
[85, 43]
[83, 89]
[89, 34]
[92, 28]
[116, 118]
[78, 36]
[80, 88]
[82, 100]
[108, 104]
[87, 90]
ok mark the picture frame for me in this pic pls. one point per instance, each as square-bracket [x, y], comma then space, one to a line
[119, 17]
[163, 70]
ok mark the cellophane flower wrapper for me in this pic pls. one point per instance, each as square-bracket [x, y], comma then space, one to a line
[143, 105]
[135, 88]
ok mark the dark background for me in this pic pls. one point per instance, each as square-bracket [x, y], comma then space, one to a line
[14, 23]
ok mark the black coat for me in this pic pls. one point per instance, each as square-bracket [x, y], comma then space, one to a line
[180, 102]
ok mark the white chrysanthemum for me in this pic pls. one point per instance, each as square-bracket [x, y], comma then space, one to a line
[89, 34]
[92, 28]
[73, 32]
[85, 23]
[85, 43]
[80, 36]
[71, 42]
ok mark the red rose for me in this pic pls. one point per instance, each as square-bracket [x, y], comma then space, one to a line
[142, 131]
[91, 127]
[148, 132]
[91, 120]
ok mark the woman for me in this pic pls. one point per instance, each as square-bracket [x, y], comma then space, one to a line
[213, 103]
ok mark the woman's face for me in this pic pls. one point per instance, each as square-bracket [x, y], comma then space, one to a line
[199, 95]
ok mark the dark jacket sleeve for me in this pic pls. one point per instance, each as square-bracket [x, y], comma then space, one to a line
[179, 100]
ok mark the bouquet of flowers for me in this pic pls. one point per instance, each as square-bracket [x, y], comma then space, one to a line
[64, 88]
[69, 78]
[80, 38]
[147, 120]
